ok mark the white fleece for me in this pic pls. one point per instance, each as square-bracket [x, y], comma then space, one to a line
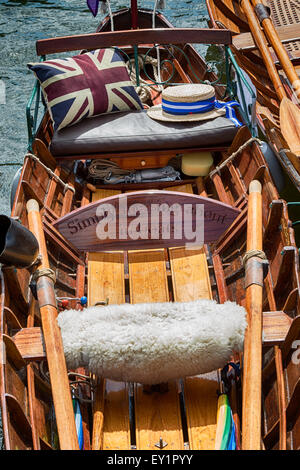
[153, 342]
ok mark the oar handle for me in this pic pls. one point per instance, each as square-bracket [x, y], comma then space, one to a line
[36, 226]
[260, 40]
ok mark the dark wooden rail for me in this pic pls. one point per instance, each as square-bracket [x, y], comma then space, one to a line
[133, 37]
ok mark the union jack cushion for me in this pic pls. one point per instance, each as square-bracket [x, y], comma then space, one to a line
[86, 85]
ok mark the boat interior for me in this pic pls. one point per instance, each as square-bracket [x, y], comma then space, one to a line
[179, 414]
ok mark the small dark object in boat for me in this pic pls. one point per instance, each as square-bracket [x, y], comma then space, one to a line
[18, 246]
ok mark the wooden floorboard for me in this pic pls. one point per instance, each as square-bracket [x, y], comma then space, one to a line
[189, 274]
[190, 279]
[106, 281]
[157, 414]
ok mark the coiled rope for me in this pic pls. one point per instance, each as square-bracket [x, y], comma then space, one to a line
[144, 89]
[66, 186]
[104, 169]
[254, 253]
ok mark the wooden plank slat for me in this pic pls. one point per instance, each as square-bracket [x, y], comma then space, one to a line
[190, 274]
[106, 277]
[147, 276]
[30, 343]
[288, 33]
[79, 226]
[157, 415]
[201, 408]
[111, 429]
[190, 277]
[183, 188]
[116, 432]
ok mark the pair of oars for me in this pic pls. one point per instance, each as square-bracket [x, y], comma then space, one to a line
[289, 111]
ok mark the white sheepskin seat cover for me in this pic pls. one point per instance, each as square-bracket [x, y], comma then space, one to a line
[153, 342]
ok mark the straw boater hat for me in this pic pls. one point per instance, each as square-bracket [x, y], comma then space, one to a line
[189, 102]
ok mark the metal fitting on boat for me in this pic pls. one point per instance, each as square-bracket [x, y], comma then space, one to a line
[262, 12]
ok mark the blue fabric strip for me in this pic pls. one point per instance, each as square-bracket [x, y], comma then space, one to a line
[178, 104]
[198, 107]
[230, 112]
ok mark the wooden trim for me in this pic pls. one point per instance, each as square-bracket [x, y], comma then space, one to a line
[133, 37]
[139, 154]
[281, 399]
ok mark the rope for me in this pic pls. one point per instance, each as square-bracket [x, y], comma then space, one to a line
[144, 90]
[251, 253]
[57, 178]
[234, 154]
[104, 169]
[44, 272]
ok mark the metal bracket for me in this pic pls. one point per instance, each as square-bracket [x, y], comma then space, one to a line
[262, 12]
[161, 444]
[255, 271]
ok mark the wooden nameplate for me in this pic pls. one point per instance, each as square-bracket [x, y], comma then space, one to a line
[146, 219]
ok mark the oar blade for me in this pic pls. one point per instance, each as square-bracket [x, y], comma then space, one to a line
[290, 124]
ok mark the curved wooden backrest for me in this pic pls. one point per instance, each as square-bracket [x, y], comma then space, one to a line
[146, 219]
[133, 37]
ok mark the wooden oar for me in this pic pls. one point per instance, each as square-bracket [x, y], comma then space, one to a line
[53, 342]
[289, 112]
[263, 48]
[280, 50]
[251, 416]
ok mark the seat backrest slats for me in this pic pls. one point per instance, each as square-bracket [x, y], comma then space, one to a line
[133, 37]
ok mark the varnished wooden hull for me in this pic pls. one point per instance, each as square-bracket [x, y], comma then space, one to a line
[217, 272]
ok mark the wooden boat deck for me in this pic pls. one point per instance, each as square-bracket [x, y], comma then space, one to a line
[153, 276]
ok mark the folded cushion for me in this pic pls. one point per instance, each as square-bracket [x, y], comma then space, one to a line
[85, 85]
[135, 131]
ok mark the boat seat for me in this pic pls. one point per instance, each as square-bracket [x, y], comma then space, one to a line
[136, 131]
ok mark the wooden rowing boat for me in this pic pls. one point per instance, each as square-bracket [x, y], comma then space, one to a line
[285, 17]
[35, 398]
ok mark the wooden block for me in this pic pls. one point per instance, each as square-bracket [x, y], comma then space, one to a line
[183, 188]
[189, 274]
[30, 343]
[275, 327]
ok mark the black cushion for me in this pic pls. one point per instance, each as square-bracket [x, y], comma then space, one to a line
[134, 131]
